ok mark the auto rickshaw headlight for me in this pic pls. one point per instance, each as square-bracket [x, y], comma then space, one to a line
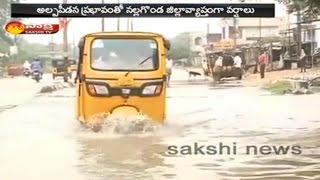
[152, 90]
[98, 89]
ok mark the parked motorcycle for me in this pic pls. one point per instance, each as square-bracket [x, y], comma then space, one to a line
[36, 75]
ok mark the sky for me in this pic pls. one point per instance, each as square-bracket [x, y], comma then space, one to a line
[169, 27]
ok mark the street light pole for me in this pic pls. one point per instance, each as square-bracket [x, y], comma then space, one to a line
[102, 20]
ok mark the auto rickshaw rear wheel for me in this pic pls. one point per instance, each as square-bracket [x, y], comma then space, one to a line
[216, 77]
[65, 78]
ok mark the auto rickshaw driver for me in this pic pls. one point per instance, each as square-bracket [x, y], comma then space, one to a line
[125, 75]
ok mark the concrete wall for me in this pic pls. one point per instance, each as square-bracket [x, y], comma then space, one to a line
[247, 32]
[249, 27]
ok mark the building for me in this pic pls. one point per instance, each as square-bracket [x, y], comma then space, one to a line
[198, 41]
[310, 31]
[250, 30]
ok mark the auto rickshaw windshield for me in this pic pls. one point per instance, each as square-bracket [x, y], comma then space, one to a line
[57, 63]
[124, 55]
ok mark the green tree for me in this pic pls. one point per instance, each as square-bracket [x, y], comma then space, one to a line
[5, 12]
[310, 8]
[180, 47]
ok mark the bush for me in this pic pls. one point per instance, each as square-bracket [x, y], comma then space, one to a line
[279, 87]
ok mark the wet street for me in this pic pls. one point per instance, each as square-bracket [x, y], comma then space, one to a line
[40, 138]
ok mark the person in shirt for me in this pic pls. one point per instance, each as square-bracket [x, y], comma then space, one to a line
[169, 65]
[263, 61]
[303, 61]
[26, 65]
[218, 62]
[37, 65]
[237, 60]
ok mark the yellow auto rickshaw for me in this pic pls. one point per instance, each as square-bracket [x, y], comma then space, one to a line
[59, 69]
[73, 65]
[121, 73]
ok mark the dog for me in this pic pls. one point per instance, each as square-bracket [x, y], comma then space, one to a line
[193, 73]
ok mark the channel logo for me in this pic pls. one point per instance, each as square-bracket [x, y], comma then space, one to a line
[16, 28]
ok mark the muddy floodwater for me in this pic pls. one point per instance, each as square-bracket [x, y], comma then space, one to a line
[40, 139]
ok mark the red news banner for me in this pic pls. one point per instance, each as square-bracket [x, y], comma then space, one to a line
[21, 28]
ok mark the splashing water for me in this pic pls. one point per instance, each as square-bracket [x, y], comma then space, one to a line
[124, 125]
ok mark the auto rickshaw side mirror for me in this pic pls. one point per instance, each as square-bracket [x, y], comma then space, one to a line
[167, 44]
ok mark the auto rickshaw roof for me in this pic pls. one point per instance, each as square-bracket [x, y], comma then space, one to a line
[124, 33]
[237, 51]
[57, 59]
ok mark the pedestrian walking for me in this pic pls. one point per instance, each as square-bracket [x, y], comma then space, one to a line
[169, 70]
[303, 61]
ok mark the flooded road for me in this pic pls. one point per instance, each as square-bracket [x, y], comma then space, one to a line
[40, 139]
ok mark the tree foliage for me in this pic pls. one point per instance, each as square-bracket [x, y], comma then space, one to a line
[4, 18]
[310, 8]
[180, 47]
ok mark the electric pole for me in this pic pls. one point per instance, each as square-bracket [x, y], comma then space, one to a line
[298, 30]
[65, 32]
[235, 33]
[118, 20]
[65, 22]
[260, 34]
[102, 20]
[128, 22]
[208, 32]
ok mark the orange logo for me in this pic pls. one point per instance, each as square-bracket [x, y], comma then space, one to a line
[15, 27]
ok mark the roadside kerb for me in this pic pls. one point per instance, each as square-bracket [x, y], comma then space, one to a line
[56, 86]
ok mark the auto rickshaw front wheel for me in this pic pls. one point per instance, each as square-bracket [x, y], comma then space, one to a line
[96, 128]
[53, 77]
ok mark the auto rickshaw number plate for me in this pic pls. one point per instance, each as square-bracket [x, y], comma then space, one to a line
[125, 91]
[126, 81]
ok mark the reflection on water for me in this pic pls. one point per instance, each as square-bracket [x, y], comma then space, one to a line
[48, 143]
[121, 158]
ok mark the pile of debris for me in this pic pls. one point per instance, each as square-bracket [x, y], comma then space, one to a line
[56, 86]
[304, 85]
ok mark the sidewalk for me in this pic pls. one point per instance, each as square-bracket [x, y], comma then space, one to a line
[255, 80]
[180, 74]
